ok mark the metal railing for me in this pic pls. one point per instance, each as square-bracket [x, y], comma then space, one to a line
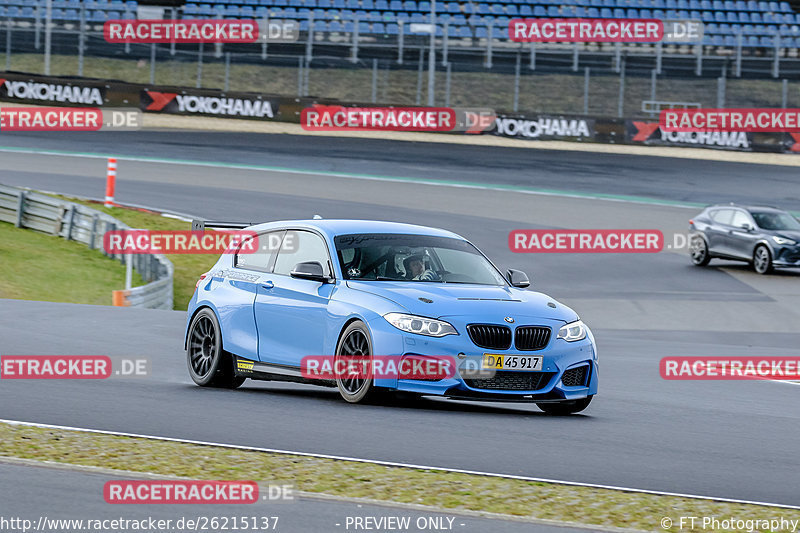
[28, 209]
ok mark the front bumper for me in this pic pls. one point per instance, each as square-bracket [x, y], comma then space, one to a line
[569, 371]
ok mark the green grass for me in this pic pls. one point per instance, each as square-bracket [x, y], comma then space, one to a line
[37, 266]
[590, 506]
[188, 267]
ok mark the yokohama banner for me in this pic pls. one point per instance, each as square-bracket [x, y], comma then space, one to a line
[539, 127]
[210, 103]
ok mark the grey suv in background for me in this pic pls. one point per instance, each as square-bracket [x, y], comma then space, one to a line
[766, 237]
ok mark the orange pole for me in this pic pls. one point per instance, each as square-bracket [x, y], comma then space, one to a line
[111, 179]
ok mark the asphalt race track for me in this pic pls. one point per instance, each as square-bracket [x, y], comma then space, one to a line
[730, 439]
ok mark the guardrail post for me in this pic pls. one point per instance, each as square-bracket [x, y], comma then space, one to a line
[227, 81]
[20, 208]
[310, 42]
[70, 222]
[93, 232]
[721, 92]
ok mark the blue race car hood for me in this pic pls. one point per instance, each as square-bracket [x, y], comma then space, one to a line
[451, 299]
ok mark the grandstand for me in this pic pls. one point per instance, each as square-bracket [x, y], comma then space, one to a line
[728, 23]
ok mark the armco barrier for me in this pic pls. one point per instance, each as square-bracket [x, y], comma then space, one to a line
[74, 91]
[71, 221]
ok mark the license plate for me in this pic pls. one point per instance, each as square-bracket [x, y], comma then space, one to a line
[512, 362]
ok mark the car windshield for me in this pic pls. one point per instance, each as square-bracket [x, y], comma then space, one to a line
[776, 221]
[418, 258]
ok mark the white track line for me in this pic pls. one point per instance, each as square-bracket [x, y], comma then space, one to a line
[395, 464]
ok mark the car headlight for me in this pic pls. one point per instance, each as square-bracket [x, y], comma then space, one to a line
[420, 325]
[783, 242]
[574, 331]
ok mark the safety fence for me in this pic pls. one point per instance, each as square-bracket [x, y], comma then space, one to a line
[28, 209]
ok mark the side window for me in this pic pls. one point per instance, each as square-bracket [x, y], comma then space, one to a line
[299, 247]
[265, 245]
[740, 218]
[723, 216]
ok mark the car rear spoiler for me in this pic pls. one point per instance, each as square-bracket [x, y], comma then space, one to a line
[202, 225]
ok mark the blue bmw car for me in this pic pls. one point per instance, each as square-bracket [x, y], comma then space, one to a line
[369, 289]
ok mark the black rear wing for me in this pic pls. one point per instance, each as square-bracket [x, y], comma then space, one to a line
[202, 225]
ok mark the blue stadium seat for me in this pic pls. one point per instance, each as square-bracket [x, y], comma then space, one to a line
[539, 11]
[392, 29]
[671, 14]
[552, 11]
[606, 13]
[708, 16]
[379, 28]
[755, 18]
[763, 5]
[744, 17]
[785, 7]
[619, 13]
[99, 16]
[767, 42]
[658, 14]
[730, 40]
[27, 12]
[424, 6]
[511, 9]
[683, 4]
[367, 4]
[695, 15]
[741, 5]
[672, 4]
[320, 26]
[335, 26]
[364, 28]
[592, 13]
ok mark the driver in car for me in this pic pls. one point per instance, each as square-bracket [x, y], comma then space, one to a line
[415, 264]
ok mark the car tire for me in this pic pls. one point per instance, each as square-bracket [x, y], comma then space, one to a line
[355, 341]
[762, 259]
[566, 407]
[209, 365]
[698, 251]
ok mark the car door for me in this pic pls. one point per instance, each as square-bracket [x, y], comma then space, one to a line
[717, 231]
[235, 292]
[292, 313]
[740, 242]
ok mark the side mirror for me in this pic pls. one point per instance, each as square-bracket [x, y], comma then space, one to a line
[746, 226]
[517, 278]
[310, 270]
